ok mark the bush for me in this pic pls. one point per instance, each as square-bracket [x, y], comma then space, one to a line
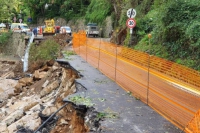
[97, 11]
[4, 37]
[45, 51]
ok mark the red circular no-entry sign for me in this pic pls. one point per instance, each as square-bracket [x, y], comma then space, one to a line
[130, 23]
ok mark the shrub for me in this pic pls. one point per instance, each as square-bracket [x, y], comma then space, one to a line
[47, 50]
[4, 37]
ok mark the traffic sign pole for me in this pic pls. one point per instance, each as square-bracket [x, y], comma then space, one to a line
[131, 23]
[131, 30]
[131, 37]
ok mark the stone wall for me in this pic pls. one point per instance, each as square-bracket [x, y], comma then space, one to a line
[15, 45]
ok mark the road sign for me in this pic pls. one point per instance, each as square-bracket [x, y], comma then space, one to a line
[131, 13]
[130, 23]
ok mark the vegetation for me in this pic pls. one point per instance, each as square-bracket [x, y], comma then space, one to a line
[46, 51]
[97, 11]
[174, 24]
[4, 38]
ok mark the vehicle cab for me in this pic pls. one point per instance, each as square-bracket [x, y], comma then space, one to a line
[65, 30]
[92, 30]
[20, 27]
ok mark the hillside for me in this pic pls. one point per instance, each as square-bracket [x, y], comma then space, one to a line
[174, 25]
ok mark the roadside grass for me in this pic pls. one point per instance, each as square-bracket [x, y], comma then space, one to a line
[81, 100]
[108, 113]
[67, 54]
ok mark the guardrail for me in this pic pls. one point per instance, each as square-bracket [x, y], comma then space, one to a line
[171, 89]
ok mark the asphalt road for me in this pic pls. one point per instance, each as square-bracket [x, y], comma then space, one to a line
[127, 114]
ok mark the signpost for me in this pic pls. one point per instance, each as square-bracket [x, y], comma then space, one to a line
[131, 23]
[131, 13]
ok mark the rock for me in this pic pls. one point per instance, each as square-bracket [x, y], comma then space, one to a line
[50, 63]
[1, 90]
[45, 83]
[39, 75]
[26, 81]
[29, 106]
[54, 68]
[18, 88]
[13, 127]
[3, 128]
[44, 68]
[63, 122]
[13, 116]
[49, 110]
[8, 75]
[36, 74]
[32, 121]
[49, 88]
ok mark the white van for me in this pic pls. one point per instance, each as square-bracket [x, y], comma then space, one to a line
[20, 27]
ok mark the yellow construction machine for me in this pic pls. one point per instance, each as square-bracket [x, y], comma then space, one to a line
[49, 27]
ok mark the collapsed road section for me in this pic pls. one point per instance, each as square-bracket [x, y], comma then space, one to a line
[34, 102]
[72, 96]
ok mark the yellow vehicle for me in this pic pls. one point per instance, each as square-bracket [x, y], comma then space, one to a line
[49, 27]
[2, 29]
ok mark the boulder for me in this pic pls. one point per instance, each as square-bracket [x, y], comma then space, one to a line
[31, 121]
[39, 75]
[18, 88]
[26, 81]
[49, 88]
[49, 110]
[3, 128]
[1, 90]
[13, 117]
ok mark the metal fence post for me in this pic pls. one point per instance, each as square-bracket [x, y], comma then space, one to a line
[86, 46]
[149, 36]
[99, 51]
[148, 81]
[79, 43]
[116, 64]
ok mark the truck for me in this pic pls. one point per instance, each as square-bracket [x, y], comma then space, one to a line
[20, 27]
[92, 30]
[49, 27]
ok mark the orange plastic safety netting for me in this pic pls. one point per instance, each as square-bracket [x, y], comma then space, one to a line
[194, 125]
[171, 89]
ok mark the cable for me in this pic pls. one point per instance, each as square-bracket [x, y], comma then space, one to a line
[50, 117]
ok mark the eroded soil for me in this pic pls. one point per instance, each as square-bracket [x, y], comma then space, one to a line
[28, 99]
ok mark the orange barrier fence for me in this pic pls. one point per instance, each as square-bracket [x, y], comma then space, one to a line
[169, 88]
[193, 126]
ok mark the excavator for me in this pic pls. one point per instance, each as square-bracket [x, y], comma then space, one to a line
[49, 28]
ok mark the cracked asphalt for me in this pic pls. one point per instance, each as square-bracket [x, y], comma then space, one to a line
[126, 114]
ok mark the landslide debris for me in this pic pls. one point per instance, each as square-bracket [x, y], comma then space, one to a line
[36, 97]
[29, 99]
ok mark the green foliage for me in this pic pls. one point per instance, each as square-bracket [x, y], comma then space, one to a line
[97, 11]
[4, 38]
[47, 50]
[68, 10]
[174, 26]
[81, 100]
[179, 28]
